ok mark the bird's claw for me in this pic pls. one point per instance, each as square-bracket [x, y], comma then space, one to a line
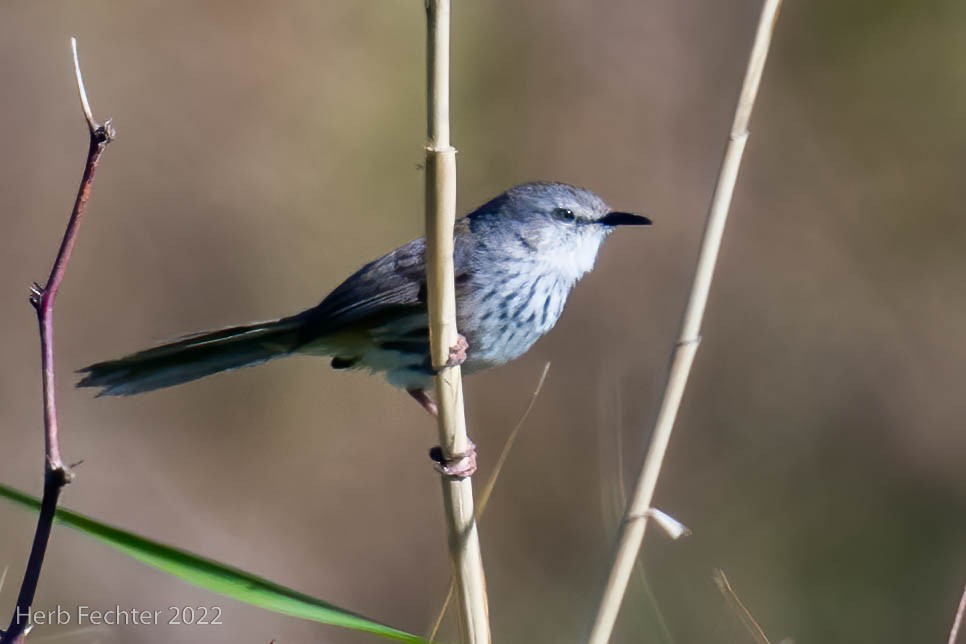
[457, 352]
[459, 467]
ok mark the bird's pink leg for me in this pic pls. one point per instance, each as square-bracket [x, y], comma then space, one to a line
[461, 465]
[427, 403]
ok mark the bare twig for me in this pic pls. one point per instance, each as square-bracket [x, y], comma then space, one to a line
[464, 544]
[958, 620]
[739, 608]
[635, 517]
[488, 488]
[56, 474]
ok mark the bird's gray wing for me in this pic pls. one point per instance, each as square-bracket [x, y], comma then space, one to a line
[390, 287]
[393, 284]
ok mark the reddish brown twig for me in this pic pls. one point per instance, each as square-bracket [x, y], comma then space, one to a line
[56, 474]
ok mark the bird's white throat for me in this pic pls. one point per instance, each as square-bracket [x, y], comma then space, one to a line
[573, 260]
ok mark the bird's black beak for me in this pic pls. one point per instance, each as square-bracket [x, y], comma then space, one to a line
[623, 219]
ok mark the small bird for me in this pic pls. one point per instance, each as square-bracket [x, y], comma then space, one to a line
[516, 259]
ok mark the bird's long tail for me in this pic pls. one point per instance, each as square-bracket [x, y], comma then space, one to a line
[194, 357]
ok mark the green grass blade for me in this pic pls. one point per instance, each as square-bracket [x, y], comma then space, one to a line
[213, 576]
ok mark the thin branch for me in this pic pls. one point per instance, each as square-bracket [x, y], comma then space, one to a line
[488, 488]
[739, 608]
[56, 474]
[958, 620]
[636, 515]
[464, 544]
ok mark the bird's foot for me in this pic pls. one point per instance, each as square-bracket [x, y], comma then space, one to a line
[460, 466]
[457, 352]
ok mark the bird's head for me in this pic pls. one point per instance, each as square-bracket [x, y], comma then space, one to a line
[556, 224]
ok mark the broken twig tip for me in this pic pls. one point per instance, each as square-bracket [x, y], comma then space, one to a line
[82, 92]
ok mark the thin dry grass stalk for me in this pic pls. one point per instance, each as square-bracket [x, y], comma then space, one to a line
[511, 440]
[636, 516]
[464, 545]
[739, 608]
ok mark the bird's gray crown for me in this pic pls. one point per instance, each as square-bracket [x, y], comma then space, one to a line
[547, 201]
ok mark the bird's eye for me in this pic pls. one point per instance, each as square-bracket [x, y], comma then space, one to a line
[564, 214]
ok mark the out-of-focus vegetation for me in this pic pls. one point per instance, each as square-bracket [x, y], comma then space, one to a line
[216, 577]
[264, 151]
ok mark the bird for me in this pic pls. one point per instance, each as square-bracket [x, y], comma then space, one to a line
[516, 259]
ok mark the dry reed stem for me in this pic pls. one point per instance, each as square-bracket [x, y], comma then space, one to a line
[958, 619]
[488, 488]
[464, 544]
[56, 474]
[739, 608]
[635, 518]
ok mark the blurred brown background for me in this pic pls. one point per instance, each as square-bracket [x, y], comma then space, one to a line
[265, 150]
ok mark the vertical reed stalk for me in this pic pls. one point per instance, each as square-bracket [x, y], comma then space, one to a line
[464, 545]
[636, 516]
